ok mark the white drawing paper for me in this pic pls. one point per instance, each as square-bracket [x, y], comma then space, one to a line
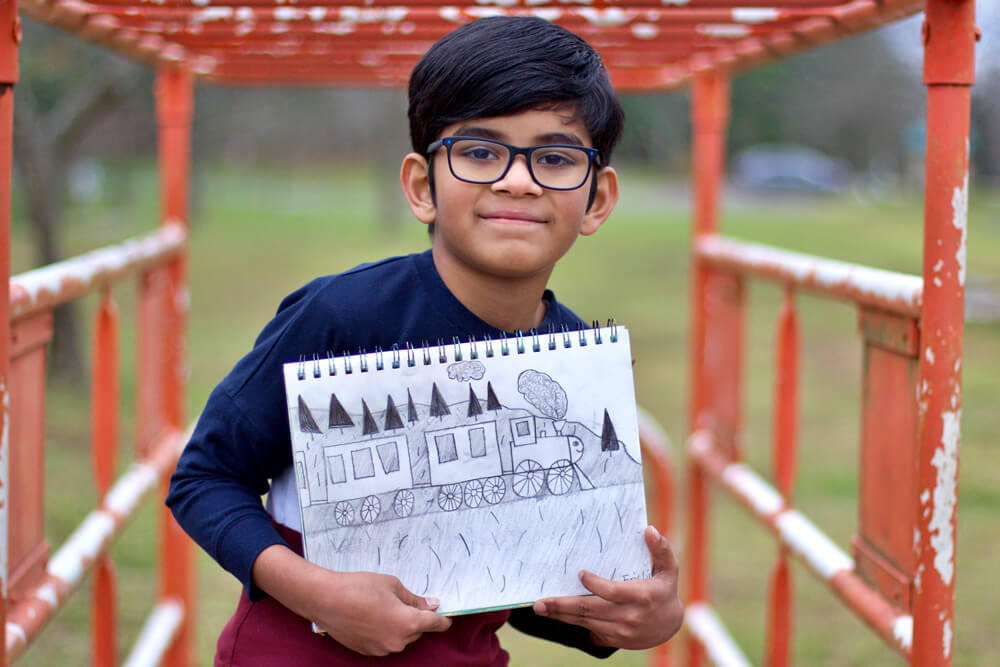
[485, 474]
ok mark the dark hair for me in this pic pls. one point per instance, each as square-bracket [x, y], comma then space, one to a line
[503, 65]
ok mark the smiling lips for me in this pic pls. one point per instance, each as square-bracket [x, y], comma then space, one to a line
[512, 217]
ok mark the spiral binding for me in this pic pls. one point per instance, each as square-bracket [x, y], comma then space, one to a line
[521, 343]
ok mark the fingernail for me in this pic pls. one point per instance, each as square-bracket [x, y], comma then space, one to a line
[656, 533]
[433, 602]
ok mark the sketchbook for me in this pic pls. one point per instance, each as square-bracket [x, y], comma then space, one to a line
[485, 473]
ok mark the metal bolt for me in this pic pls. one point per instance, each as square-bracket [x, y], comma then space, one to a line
[978, 33]
[17, 30]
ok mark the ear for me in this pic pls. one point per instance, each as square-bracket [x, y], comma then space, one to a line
[413, 178]
[605, 198]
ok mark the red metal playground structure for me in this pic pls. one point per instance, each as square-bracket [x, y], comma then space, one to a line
[899, 576]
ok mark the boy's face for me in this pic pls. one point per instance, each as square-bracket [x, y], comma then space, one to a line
[513, 228]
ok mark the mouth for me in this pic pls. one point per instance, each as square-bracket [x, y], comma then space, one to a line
[512, 218]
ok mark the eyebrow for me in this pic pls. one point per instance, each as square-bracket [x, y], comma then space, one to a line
[548, 138]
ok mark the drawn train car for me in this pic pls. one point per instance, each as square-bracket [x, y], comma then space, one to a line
[466, 464]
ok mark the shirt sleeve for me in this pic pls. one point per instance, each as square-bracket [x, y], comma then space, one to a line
[240, 443]
[573, 636]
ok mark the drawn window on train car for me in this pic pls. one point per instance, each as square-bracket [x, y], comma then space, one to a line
[524, 431]
[446, 447]
[364, 466]
[335, 466]
[388, 454]
[300, 475]
[477, 442]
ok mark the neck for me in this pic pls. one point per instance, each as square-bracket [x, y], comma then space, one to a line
[505, 303]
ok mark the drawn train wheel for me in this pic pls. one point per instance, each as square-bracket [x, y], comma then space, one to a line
[494, 489]
[343, 512]
[450, 497]
[528, 478]
[474, 492]
[559, 478]
[403, 503]
[371, 507]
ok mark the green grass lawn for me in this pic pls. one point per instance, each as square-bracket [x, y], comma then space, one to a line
[260, 233]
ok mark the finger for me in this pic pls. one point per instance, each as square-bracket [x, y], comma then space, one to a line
[660, 552]
[412, 600]
[432, 622]
[613, 591]
[576, 606]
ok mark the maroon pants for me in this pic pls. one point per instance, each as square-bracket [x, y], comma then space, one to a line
[265, 633]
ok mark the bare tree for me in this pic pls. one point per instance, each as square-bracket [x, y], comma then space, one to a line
[49, 123]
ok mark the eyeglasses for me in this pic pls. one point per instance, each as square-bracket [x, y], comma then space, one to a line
[554, 166]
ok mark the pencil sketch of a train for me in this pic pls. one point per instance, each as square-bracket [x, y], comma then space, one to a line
[442, 459]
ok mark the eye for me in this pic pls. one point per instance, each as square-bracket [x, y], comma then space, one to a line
[558, 157]
[478, 152]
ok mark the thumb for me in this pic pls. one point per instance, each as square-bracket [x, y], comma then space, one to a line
[412, 600]
[660, 552]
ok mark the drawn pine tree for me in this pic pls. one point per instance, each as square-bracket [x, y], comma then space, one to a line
[392, 419]
[411, 409]
[609, 439]
[370, 426]
[338, 415]
[475, 408]
[492, 402]
[438, 407]
[306, 422]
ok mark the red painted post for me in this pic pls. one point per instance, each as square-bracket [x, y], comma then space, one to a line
[709, 110]
[10, 35]
[174, 104]
[949, 35]
[105, 392]
[783, 456]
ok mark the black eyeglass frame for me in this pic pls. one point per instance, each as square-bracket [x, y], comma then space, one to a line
[593, 154]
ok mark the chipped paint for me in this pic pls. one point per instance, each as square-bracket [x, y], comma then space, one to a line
[946, 639]
[244, 14]
[82, 547]
[817, 273]
[764, 499]
[704, 624]
[610, 17]
[339, 28]
[945, 460]
[676, 3]
[485, 12]
[902, 631]
[317, 14]
[280, 28]
[754, 14]
[17, 632]
[212, 14]
[550, 14]
[128, 491]
[196, 3]
[929, 354]
[960, 220]
[288, 14]
[645, 30]
[451, 14]
[924, 497]
[242, 29]
[47, 594]
[27, 288]
[722, 30]
[157, 634]
[822, 555]
[501, 3]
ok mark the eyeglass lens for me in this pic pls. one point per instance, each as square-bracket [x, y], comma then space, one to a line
[558, 167]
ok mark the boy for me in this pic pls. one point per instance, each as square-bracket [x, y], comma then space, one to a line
[512, 123]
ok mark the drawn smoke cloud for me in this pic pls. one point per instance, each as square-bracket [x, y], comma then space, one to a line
[464, 371]
[543, 392]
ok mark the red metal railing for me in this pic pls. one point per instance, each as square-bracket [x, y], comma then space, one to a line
[900, 576]
[34, 584]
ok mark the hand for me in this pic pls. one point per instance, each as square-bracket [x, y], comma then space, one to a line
[372, 614]
[635, 614]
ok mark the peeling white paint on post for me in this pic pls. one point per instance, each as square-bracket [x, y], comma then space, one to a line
[808, 541]
[902, 631]
[762, 496]
[943, 498]
[47, 594]
[129, 490]
[605, 18]
[960, 220]
[755, 14]
[83, 546]
[157, 634]
[704, 624]
[946, 638]
[15, 633]
[645, 30]
[723, 30]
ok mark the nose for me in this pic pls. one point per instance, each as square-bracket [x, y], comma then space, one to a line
[518, 180]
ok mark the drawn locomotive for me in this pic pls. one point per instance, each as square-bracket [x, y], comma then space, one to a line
[460, 463]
